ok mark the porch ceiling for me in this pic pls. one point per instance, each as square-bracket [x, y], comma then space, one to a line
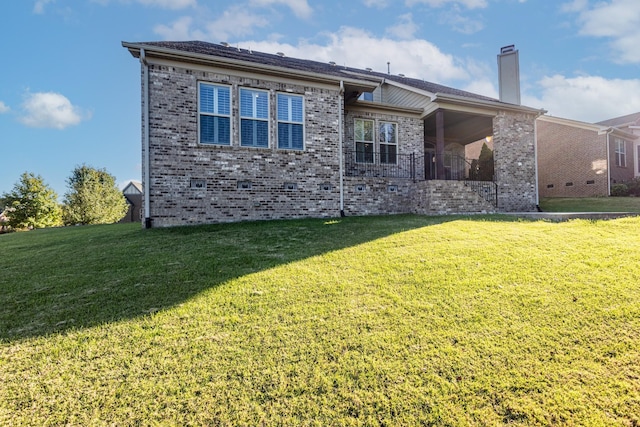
[461, 127]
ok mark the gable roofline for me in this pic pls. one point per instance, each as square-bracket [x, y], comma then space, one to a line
[280, 65]
[414, 89]
[595, 127]
[622, 121]
[574, 123]
[155, 50]
[443, 99]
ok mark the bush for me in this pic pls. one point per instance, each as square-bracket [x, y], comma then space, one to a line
[619, 190]
[634, 187]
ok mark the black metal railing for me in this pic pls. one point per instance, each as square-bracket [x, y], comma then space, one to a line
[384, 165]
[419, 167]
[448, 167]
[488, 190]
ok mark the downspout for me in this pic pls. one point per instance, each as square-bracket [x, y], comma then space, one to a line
[535, 159]
[608, 148]
[340, 144]
[145, 138]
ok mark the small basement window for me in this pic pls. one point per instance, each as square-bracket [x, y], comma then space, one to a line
[290, 186]
[244, 185]
[198, 184]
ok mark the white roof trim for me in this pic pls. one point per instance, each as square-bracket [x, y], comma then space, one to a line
[428, 94]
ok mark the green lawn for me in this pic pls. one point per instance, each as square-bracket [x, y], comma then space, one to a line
[591, 204]
[400, 320]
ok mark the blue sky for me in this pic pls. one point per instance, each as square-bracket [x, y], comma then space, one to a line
[70, 94]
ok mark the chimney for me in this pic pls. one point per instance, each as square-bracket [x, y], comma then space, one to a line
[509, 75]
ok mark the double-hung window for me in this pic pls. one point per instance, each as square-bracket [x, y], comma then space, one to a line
[364, 140]
[254, 118]
[214, 106]
[388, 139]
[621, 153]
[290, 122]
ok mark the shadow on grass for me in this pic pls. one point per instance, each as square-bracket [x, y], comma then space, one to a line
[55, 280]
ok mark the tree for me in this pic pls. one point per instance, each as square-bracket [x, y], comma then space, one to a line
[32, 204]
[93, 198]
[485, 164]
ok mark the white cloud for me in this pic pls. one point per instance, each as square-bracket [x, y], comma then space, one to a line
[50, 110]
[4, 108]
[380, 4]
[300, 8]
[470, 4]
[617, 20]
[164, 4]
[180, 29]
[574, 6]
[39, 5]
[169, 4]
[460, 23]
[587, 98]
[234, 22]
[404, 29]
[354, 47]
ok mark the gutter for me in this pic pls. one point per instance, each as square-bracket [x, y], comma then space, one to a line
[474, 102]
[221, 61]
[145, 139]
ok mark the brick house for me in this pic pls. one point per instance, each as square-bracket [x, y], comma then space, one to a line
[578, 159]
[231, 134]
[133, 194]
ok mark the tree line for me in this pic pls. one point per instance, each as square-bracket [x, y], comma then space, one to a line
[92, 198]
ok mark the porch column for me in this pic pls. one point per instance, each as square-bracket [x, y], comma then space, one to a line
[440, 145]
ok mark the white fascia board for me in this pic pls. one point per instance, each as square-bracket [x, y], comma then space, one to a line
[189, 57]
[575, 124]
[623, 134]
[485, 104]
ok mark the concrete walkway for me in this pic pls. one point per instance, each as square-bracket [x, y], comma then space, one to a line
[563, 216]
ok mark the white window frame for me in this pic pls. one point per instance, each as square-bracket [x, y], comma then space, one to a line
[290, 120]
[215, 112]
[254, 115]
[365, 155]
[383, 141]
[621, 153]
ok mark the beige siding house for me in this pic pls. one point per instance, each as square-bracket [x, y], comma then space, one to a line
[230, 134]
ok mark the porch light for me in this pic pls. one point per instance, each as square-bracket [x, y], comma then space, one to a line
[489, 138]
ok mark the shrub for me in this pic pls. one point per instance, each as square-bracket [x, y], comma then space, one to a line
[634, 187]
[619, 190]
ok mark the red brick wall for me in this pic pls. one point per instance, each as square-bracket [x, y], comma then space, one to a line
[572, 161]
[621, 174]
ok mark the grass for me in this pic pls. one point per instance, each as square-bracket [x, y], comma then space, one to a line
[402, 320]
[591, 204]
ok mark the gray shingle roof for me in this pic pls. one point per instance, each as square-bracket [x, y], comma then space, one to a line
[235, 53]
[623, 120]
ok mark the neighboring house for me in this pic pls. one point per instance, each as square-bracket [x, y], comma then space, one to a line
[133, 193]
[232, 134]
[630, 124]
[577, 159]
